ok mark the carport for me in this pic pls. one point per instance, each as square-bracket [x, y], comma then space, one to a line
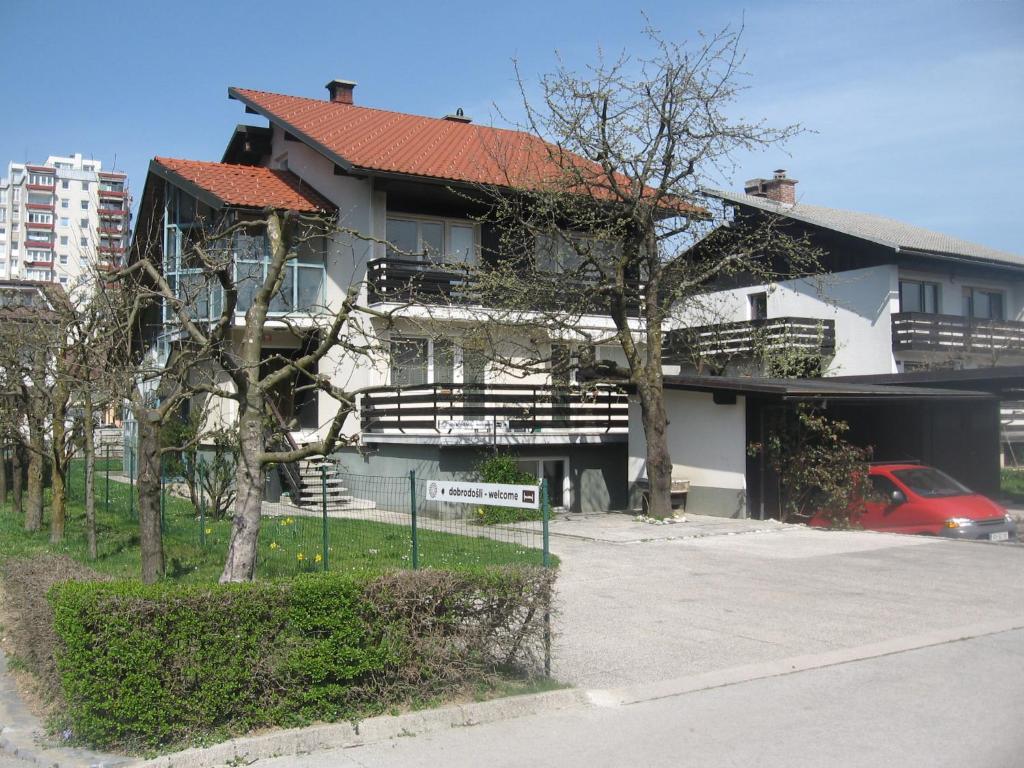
[956, 430]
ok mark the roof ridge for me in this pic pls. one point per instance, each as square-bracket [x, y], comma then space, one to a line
[457, 125]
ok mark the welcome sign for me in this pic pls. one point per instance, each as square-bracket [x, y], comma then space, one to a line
[490, 494]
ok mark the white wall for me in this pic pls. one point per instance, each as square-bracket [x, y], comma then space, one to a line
[860, 301]
[707, 442]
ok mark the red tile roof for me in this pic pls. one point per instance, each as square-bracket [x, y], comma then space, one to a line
[246, 186]
[384, 141]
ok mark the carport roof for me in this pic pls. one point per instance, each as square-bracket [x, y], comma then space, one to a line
[815, 389]
[1002, 380]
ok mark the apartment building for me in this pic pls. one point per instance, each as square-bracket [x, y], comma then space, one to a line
[62, 218]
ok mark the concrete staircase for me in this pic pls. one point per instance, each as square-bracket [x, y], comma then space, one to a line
[311, 473]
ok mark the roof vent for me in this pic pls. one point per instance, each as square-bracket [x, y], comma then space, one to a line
[459, 117]
[341, 91]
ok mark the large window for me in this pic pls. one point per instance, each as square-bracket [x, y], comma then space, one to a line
[562, 252]
[984, 304]
[439, 240]
[919, 296]
[416, 361]
[302, 288]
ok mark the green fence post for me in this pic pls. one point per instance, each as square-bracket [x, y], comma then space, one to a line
[412, 503]
[202, 509]
[323, 496]
[163, 497]
[107, 493]
[131, 492]
[545, 516]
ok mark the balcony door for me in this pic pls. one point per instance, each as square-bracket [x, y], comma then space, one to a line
[983, 304]
[431, 240]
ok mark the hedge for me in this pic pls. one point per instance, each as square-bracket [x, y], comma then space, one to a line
[152, 666]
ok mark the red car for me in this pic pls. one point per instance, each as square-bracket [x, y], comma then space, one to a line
[914, 498]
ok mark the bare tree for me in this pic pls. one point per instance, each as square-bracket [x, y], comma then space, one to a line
[237, 369]
[604, 216]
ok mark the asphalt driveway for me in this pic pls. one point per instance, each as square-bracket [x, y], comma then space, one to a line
[639, 603]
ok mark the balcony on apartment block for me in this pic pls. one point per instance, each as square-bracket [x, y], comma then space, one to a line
[397, 280]
[920, 331]
[505, 413]
[750, 338]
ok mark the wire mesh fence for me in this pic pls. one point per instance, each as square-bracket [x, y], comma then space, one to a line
[372, 520]
[339, 521]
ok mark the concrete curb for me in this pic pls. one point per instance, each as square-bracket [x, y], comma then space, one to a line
[21, 731]
[297, 741]
[636, 694]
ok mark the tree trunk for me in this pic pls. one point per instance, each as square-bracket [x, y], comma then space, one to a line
[60, 460]
[89, 449]
[150, 536]
[17, 478]
[659, 461]
[34, 510]
[240, 564]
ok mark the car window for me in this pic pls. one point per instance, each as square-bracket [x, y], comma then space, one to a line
[882, 488]
[930, 482]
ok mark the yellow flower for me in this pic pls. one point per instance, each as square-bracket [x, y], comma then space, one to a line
[209, 531]
[300, 556]
[318, 558]
[273, 545]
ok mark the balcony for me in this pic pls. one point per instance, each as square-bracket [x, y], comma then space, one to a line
[111, 211]
[112, 193]
[39, 206]
[494, 410]
[750, 338]
[913, 331]
[406, 280]
[398, 280]
[45, 245]
[40, 188]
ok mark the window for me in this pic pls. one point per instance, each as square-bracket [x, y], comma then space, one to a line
[83, 241]
[85, 205]
[65, 203]
[63, 258]
[431, 239]
[85, 186]
[64, 221]
[83, 223]
[918, 296]
[984, 304]
[426, 361]
[882, 489]
[63, 281]
[63, 239]
[758, 305]
[65, 184]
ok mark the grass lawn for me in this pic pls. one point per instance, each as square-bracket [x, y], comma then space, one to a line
[290, 545]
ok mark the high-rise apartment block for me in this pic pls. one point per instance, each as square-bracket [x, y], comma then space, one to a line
[61, 218]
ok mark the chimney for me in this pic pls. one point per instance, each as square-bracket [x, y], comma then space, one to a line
[458, 117]
[778, 188]
[341, 91]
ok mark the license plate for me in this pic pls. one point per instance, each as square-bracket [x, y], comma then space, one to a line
[1001, 536]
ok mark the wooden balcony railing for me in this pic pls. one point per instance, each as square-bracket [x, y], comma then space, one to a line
[405, 280]
[750, 337]
[503, 408]
[955, 333]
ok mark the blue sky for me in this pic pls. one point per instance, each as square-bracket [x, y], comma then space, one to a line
[916, 108]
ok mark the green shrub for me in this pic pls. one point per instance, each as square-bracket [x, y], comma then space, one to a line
[502, 468]
[149, 666]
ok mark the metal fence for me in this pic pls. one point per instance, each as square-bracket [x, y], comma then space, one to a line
[343, 521]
